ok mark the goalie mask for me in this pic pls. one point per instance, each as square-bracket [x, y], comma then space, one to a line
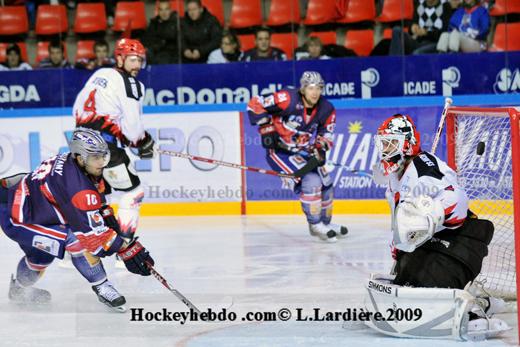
[397, 139]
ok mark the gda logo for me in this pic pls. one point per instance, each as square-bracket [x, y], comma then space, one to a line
[507, 81]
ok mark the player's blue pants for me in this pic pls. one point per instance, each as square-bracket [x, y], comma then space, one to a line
[315, 188]
[41, 244]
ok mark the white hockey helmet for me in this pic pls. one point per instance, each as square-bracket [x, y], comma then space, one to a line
[311, 78]
[88, 143]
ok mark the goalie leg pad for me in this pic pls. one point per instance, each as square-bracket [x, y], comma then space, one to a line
[128, 214]
[443, 313]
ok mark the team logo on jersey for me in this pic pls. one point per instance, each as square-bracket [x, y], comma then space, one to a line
[268, 101]
[46, 245]
[294, 121]
[95, 220]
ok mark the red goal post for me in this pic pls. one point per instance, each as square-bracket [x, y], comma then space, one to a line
[483, 146]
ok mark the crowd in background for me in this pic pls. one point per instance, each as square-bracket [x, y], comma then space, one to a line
[198, 37]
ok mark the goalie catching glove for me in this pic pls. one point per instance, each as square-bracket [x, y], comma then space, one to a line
[136, 258]
[415, 221]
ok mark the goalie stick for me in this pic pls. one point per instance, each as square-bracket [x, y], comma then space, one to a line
[447, 104]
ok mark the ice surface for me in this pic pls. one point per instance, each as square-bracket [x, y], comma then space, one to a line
[259, 263]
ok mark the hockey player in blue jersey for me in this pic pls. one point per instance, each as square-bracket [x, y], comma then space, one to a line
[297, 128]
[61, 207]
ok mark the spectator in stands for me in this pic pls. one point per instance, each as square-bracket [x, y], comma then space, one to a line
[162, 36]
[102, 59]
[313, 49]
[201, 33]
[468, 29]
[431, 18]
[229, 50]
[56, 57]
[14, 59]
[263, 49]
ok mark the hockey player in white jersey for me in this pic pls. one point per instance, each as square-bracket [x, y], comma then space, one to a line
[437, 241]
[111, 102]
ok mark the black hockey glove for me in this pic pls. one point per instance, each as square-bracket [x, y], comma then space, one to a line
[320, 155]
[145, 147]
[269, 135]
[135, 257]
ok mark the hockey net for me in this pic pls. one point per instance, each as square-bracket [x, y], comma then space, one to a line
[481, 143]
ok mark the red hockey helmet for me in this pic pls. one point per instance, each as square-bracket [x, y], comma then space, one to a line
[397, 138]
[126, 47]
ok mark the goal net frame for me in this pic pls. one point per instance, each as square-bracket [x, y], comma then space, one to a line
[452, 122]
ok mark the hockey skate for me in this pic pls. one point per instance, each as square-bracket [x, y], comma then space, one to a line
[323, 232]
[109, 296]
[340, 230]
[27, 295]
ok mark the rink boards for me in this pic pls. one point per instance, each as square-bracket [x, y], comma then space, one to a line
[176, 186]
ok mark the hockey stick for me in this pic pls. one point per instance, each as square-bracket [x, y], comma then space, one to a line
[175, 292]
[447, 104]
[224, 163]
[349, 169]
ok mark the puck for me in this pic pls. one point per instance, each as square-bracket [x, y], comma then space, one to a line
[481, 146]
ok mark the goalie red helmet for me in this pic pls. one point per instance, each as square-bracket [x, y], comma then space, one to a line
[397, 138]
[126, 47]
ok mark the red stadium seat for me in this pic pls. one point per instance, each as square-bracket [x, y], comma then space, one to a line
[216, 8]
[359, 11]
[245, 14]
[85, 49]
[177, 6]
[326, 37]
[51, 20]
[90, 18]
[396, 10]
[506, 37]
[3, 47]
[320, 12]
[13, 20]
[503, 7]
[360, 41]
[129, 15]
[246, 41]
[287, 42]
[387, 33]
[282, 12]
[42, 50]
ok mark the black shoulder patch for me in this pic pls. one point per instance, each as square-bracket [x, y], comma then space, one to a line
[426, 165]
[132, 86]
